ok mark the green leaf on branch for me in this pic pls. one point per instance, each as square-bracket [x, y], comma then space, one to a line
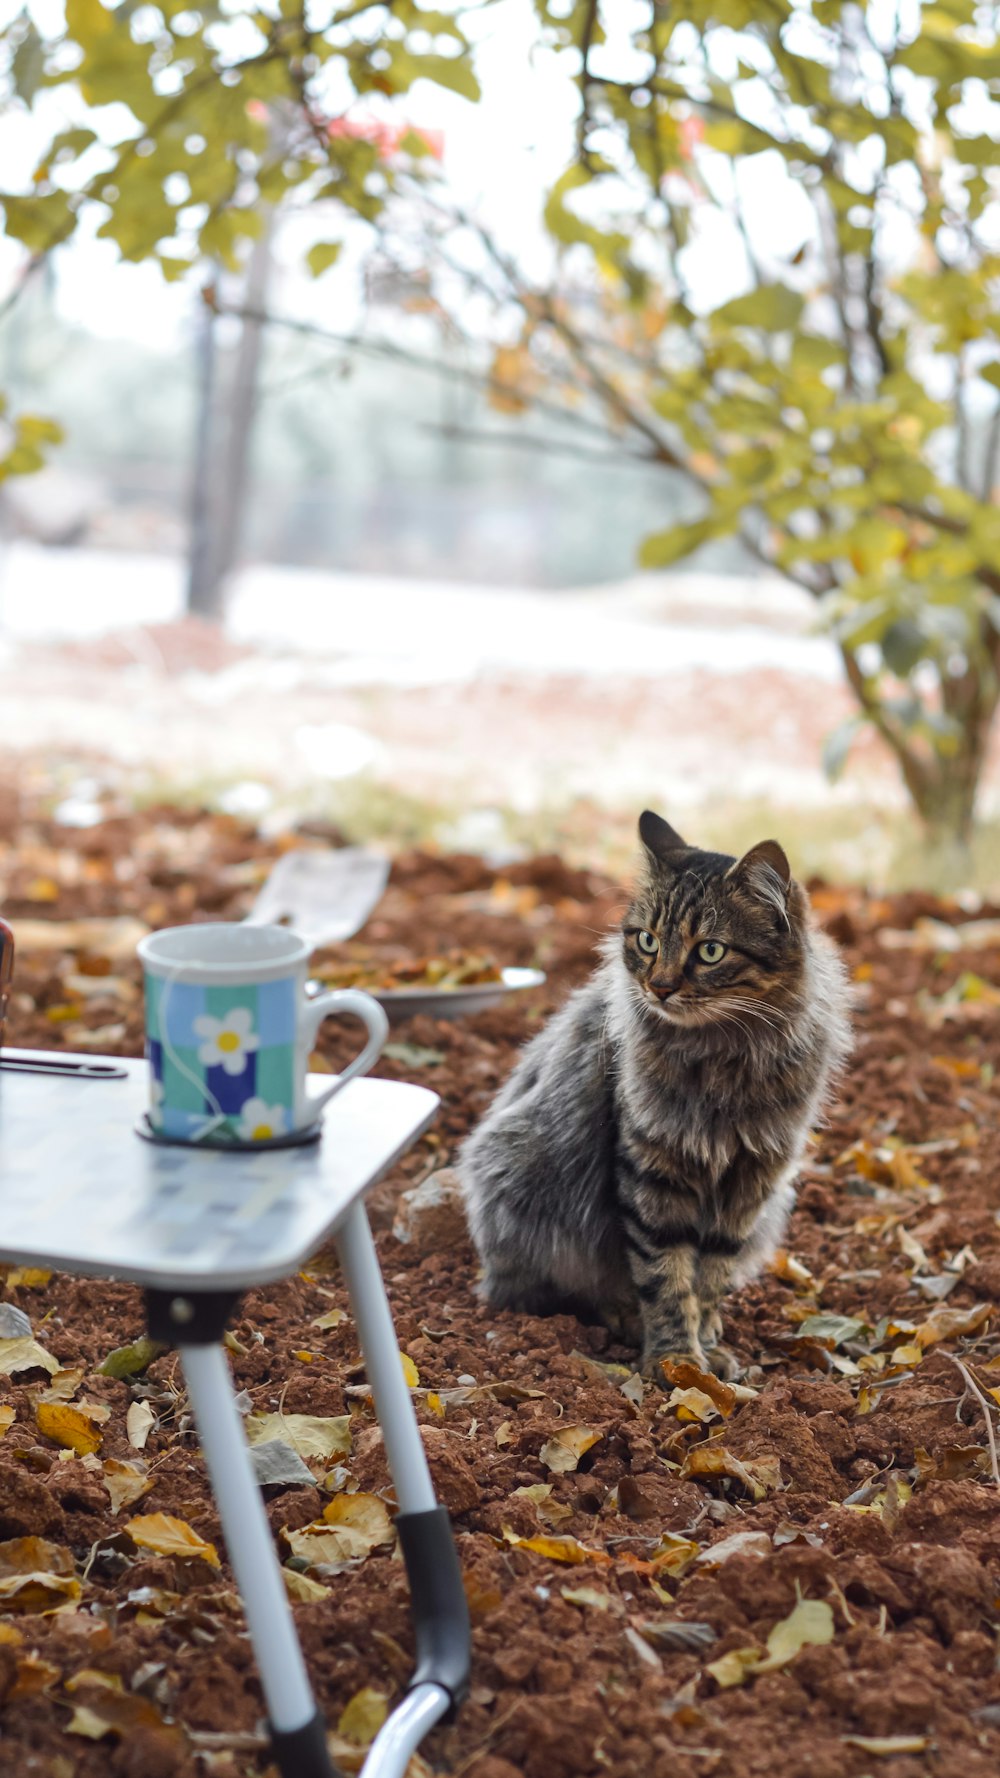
[772, 306]
[320, 258]
[838, 744]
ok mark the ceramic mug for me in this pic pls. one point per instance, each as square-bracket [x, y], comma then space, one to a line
[229, 1032]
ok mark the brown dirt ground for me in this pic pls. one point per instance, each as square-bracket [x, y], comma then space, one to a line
[562, 1687]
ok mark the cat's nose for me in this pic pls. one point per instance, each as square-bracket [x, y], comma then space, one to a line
[664, 990]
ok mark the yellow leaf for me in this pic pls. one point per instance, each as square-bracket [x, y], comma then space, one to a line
[363, 1716]
[589, 1596]
[167, 1536]
[7, 1417]
[28, 1277]
[410, 1370]
[64, 1384]
[66, 1426]
[885, 1746]
[673, 1553]
[312, 1437]
[946, 1324]
[25, 1354]
[435, 1404]
[126, 1482]
[692, 1404]
[811, 1622]
[684, 1375]
[302, 1588]
[332, 1318]
[715, 1460]
[562, 1453]
[556, 1549]
[94, 1676]
[732, 1669]
[351, 1527]
[304, 1357]
[794, 1271]
[906, 1355]
[36, 1575]
[86, 1722]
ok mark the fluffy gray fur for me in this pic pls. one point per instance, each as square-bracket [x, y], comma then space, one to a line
[640, 1160]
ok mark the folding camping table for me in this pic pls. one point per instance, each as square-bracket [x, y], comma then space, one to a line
[82, 1192]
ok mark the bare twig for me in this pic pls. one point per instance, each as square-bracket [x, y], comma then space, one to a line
[971, 1384]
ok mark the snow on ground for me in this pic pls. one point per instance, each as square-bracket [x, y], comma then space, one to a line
[682, 688]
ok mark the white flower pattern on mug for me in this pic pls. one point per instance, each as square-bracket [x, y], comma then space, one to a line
[229, 1041]
[156, 1098]
[260, 1121]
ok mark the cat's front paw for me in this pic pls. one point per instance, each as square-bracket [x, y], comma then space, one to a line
[723, 1363]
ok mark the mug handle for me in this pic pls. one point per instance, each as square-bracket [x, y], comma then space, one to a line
[326, 1006]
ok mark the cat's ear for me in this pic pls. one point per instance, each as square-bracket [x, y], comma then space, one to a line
[660, 839]
[766, 870]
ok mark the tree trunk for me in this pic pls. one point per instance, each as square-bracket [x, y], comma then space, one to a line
[204, 590]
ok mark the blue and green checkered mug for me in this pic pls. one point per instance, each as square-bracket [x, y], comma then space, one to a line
[229, 1032]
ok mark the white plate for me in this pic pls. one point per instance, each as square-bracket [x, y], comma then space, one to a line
[451, 1003]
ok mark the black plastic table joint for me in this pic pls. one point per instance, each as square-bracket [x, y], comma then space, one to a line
[189, 1317]
[440, 1609]
[303, 1753]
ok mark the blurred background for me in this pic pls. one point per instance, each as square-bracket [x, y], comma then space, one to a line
[470, 425]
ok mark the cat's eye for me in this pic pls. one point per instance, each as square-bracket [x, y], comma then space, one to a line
[648, 943]
[712, 951]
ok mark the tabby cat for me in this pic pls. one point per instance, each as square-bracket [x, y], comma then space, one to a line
[639, 1162]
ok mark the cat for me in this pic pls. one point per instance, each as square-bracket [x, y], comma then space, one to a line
[639, 1162]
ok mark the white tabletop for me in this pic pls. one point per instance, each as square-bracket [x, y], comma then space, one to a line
[80, 1191]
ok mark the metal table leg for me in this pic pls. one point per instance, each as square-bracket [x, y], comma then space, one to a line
[297, 1728]
[441, 1618]
[440, 1612]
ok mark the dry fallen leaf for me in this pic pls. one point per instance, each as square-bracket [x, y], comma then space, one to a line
[563, 1451]
[757, 1476]
[139, 1423]
[302, 1588]
[310, 1436]
[551, 1512]
[557, 1549]
[885, 1746]
[126, 1482]
[591, 1597]
[36, 1575]
[332, 1318]
[167, 1536]
[740, 1543]
[28, 1278]
[25, 1354]
[811, 1622]
[684, 1375]
[732, 1668]
[7, 1417]
[351, 1527]
[68, 1427]
[363, 1716]
[410, 1370]
[692, 1404]
[946, 1324]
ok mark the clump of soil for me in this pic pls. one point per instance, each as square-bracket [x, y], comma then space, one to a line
[861, 1459]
